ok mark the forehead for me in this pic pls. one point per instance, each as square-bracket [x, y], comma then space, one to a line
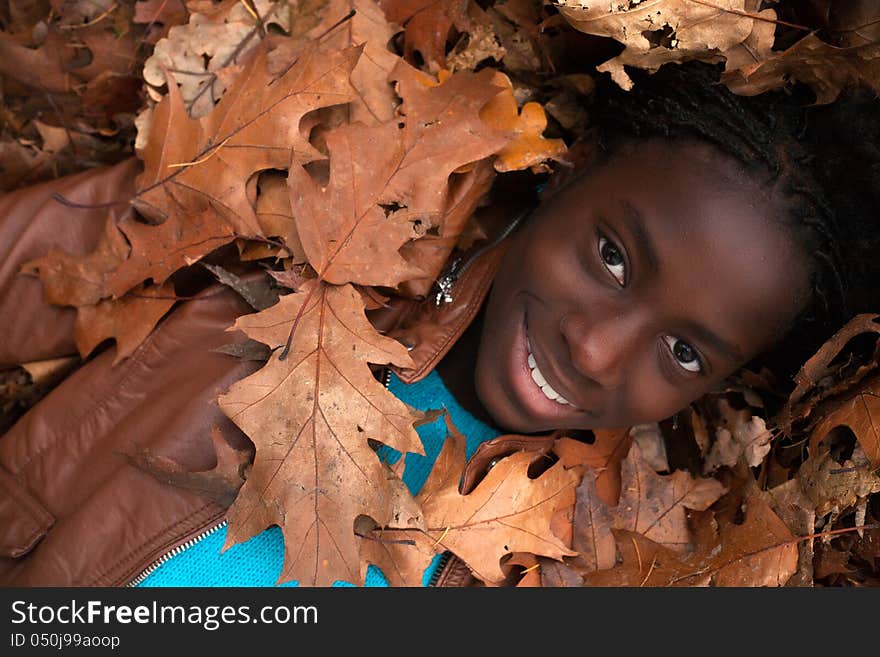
[724, 254]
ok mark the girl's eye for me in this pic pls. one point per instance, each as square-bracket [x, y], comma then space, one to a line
[613, 259]
[685, 355]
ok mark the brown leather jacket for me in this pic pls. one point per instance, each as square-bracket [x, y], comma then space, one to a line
[73, 510]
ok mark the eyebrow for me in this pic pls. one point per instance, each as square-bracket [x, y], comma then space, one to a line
[635, 222]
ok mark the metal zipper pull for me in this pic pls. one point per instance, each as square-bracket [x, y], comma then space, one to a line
[460, 265]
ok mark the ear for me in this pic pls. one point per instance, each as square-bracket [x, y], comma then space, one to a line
[579, 157]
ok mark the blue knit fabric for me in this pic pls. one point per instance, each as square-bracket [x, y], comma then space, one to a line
[258, 562]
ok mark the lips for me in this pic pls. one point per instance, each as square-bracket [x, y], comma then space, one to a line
[531, 393]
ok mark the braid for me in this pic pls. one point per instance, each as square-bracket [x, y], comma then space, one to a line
[807, 148]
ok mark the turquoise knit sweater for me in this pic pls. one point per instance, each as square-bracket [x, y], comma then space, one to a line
[258, 562]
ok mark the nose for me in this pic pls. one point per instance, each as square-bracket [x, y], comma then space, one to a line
[602, 344]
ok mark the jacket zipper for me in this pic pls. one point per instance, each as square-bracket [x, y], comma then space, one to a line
[173, 553]
[460, 265]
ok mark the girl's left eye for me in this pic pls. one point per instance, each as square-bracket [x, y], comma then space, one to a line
[685, 355]
[612, 258]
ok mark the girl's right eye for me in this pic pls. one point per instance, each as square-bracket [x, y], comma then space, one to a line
[612, 258]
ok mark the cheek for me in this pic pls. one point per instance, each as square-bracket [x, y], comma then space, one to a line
[649, 397]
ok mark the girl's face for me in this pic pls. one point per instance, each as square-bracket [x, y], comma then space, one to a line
[636, 289]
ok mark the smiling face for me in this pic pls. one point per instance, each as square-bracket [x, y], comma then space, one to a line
[636, 289]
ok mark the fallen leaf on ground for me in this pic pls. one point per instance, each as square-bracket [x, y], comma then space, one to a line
[311, 416]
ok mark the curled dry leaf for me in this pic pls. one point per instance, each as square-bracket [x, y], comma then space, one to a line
[858, 410]
[655, 33]
[529, 148]
[204, 55]
[311, 415]
[740, 435]
[817, 379]
[506, 513]
[825, 68]
[428, 24]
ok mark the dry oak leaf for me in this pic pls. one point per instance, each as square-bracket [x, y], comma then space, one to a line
[220, 483]
[310, 417]
[860, 411]
[70, 280]
[337, 28]
[529, 148]
[206, 53]
[759, 552]
[193, 165]
[662, 31]
[129, 319]
[506, 513]
[427, 24]
[825, 68]
[384, 178]
[654, 505]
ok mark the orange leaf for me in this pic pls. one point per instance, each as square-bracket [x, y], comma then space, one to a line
[528, 148]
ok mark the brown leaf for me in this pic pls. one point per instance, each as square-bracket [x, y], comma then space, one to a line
[196, 165]
[258, 292]
[858, 410]
[507, 512]
[655, 33]
[529, 148]
[817, 380]
[759, 552]
[220, 483]
[825, 68]
[832, 487]
[80, 280]
[311, 416]
[206, 53]
[129, 320]
[428, 24]
[158, 251]
[383, 177]
[274, 214]
[654, 505]
[591, 528]
[401, 555]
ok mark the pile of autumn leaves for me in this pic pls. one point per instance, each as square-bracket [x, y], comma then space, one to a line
[328, 152]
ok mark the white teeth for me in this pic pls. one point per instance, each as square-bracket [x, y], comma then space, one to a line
[538, 378]
[541, 382]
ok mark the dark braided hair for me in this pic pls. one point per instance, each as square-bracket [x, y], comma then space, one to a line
[826, 158]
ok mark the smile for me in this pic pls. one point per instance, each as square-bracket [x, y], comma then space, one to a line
[541, 382]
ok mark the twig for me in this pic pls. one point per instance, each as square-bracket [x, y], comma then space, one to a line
[204, 159]
[95, 20]
[757, 17]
